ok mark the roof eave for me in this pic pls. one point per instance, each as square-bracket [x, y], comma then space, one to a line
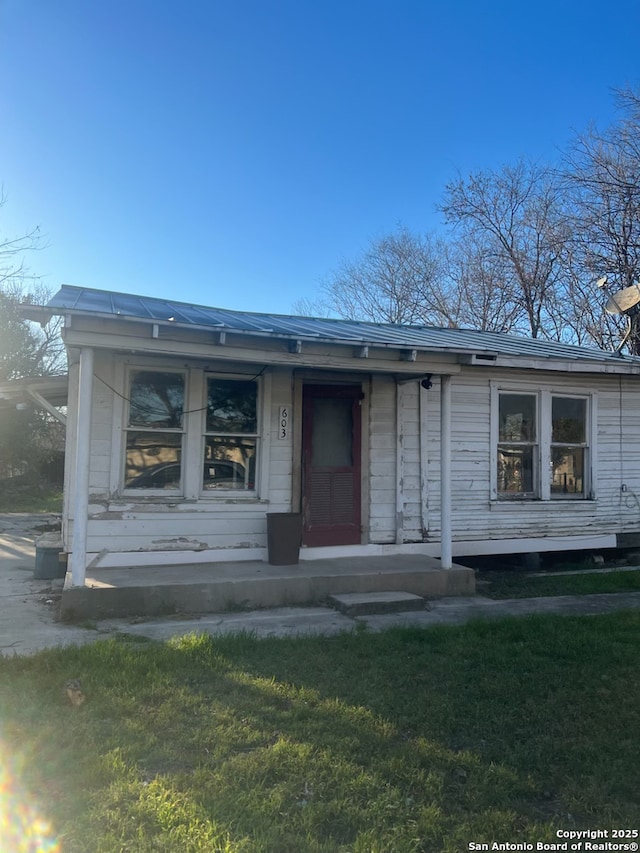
[231, 330]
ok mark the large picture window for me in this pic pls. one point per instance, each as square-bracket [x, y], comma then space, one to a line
[155, 430]
[231, 434]
[542, 445]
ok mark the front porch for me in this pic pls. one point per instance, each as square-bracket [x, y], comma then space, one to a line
[216, 587]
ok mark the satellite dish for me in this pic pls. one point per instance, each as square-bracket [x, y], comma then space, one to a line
[624, 300]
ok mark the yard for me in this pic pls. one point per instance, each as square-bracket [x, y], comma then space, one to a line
[513, 584]
[29, 497]
[410, 740]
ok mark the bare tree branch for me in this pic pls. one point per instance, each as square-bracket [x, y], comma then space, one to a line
[515, 215]
[26, 349]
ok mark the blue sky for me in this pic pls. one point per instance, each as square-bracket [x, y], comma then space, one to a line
[232, 153]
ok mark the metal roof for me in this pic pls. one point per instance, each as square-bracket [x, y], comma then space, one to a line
[81, 300]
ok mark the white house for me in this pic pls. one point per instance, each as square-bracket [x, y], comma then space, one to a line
[188, 425]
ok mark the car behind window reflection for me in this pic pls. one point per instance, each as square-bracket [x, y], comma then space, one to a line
[216, 475]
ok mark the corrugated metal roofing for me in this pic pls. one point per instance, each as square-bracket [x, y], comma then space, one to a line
[72, 299]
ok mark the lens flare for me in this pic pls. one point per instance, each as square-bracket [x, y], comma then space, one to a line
[22, 828]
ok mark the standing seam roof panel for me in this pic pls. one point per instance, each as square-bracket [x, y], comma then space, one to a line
[347, 331]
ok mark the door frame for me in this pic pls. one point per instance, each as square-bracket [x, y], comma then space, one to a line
[309, 390]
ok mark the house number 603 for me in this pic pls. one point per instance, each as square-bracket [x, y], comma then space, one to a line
[283, 423]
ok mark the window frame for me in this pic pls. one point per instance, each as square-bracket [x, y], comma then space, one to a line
[130, 370]
[533, 443]
[543, 465]
[209, 494]
[193, 433]
[584, 446]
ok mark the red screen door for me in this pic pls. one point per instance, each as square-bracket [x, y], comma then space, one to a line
[331, 426]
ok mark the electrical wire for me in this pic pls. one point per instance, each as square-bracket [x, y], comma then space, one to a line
[184, 411]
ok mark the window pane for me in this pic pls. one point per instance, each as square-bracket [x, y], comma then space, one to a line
[515, 470]
[567, 475]
[153, 460]
[332, 432]
[229, 463]
[568, 420]
[157, 399]
[517, 417]
[232, 406]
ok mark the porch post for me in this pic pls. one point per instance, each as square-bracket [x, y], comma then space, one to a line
[445, 472]
[399, 463]
[82, 463]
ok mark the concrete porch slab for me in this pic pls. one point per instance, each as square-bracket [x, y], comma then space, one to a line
[219, 587]
[364, 603]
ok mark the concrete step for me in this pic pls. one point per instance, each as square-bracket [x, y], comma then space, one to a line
[366, 603]
[112, 592]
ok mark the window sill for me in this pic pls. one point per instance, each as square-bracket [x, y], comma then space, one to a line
[149, 503]
[537, 504]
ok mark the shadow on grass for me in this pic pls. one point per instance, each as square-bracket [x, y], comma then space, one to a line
[405, 741]
[507, 584]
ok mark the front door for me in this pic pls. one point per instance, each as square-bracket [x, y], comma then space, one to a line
[331, 427]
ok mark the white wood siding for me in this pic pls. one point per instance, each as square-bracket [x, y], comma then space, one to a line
[615, 453]
[125, 524]
[408, 464]
[401, 475]
[382, 468]
[278, 489]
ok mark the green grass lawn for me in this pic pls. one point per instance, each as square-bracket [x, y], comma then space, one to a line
[406, 741]
[515, 584]
[30, 498]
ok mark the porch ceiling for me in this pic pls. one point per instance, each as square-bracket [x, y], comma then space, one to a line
[53, 389]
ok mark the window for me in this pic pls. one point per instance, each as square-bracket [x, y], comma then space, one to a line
[568, 446]
[155, 430]
[542, 445]
[189, 433]
[231, 434]
[517, 445]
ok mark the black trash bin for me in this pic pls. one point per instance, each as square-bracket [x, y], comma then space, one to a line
[284, 532]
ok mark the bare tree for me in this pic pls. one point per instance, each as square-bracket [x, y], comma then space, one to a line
[484, 301]
[514, 215]
[394, 281]
[30, 439]
[26, 349]
[410, 279]
[579, 315]
[13, 251]
[526, 245]
[602, 182]
[308, 307]
[400, 278]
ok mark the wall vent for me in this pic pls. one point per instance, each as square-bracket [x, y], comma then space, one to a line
[479, 358]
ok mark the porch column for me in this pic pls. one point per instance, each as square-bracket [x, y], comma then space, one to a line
[445, 472]
[82, 463]
[399, 463]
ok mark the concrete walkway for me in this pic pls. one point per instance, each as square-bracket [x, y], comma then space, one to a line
[28, 607]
